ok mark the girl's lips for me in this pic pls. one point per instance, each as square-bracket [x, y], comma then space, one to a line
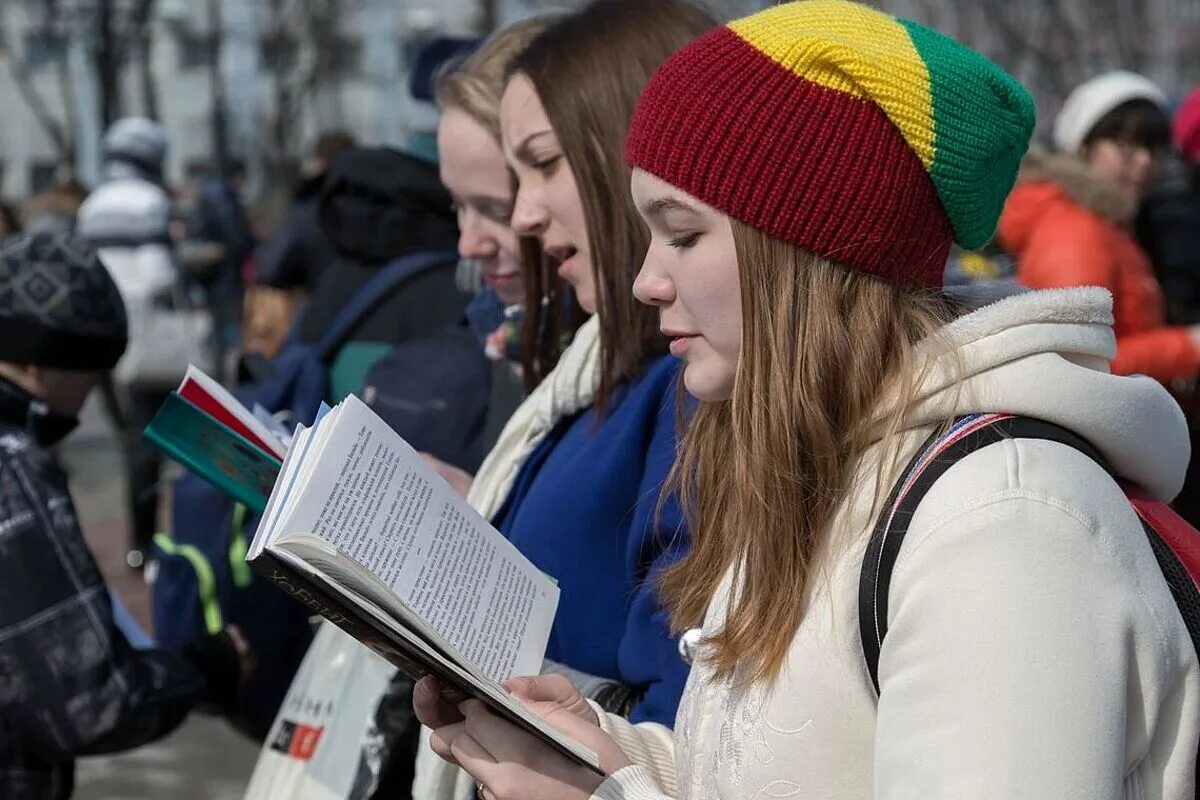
[565, 266]
[501, 281]
[680, 344]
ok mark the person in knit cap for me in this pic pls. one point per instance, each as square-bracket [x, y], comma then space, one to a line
[1069, 221]
[803, 172]
[72, 684]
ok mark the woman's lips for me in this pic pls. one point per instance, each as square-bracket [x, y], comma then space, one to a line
[680, 344]
[501, 281]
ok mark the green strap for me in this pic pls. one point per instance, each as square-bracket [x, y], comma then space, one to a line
[238, 549]
[206, 583]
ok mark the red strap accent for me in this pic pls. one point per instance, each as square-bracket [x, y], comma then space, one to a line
[1173, 529]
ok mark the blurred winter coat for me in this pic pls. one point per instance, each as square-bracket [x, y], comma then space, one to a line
[1067, 227]
[299, 252]
[377, 205]
[1168, 228]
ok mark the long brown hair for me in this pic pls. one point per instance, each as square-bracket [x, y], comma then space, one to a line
[761, 475]
[589, 70]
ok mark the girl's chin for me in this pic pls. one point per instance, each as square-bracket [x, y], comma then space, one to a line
[705, 386]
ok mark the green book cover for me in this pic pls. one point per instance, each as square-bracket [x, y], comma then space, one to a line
[214, 451]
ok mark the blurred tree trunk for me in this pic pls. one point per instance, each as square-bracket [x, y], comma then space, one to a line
[58, 130]
[81, 85]
[303, 35]
[107, 62]
[219, 120]
[143, 43]
[1053, 46]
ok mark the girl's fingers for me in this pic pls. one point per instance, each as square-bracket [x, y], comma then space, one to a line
[479, 763]
[441, 741]
[431, 708]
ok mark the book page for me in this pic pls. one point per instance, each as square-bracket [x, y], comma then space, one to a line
[279, 494]
[376, 500]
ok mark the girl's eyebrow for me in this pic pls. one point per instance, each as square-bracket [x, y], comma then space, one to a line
[522, 148]
[661, 205]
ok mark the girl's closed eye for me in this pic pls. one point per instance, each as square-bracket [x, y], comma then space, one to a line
[683, 241]
[547, 165]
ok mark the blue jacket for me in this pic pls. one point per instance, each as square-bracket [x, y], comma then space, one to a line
[585, 510]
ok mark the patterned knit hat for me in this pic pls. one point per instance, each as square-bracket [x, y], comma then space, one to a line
[58, 305]
[859, 136]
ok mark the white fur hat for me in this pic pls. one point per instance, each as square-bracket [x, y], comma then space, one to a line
[1091, 100]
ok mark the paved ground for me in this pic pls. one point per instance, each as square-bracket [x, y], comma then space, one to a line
[204, 759]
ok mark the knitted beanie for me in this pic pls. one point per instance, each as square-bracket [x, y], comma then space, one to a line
[1091, 100]
[58, 305]
[1186, 127]
[862, 137]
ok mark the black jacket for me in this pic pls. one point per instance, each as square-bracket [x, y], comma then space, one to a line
[378, 204]
[70, 684]
[1168, 228]
[299, 251]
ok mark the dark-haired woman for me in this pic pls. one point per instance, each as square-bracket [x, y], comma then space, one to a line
[575, 478]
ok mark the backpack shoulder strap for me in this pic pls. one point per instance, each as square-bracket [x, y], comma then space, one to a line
[942, 450]
[380, 285]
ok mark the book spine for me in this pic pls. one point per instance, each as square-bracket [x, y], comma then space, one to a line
[316, 599]
[410, 661]
[233, 488]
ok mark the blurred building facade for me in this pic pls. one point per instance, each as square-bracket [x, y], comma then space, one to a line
[260, 78]
[282, 71]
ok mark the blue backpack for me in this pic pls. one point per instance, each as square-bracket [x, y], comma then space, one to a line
[201, 580]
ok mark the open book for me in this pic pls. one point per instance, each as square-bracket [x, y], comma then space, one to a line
[361, 530]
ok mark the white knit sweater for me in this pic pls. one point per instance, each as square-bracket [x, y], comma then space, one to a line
[1034, 650]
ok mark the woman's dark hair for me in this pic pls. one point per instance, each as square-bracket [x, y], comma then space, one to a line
[1140, 122]
[589, 69]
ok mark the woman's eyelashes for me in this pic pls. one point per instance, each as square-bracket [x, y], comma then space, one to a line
[684, 241]
[546, 165]
[497, 212]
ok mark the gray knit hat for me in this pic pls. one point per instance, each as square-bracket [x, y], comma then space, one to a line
[58, 305]
[137, 141]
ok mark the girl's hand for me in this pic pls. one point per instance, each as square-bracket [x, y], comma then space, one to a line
[460, 480]
[507, 762]
[550, 696]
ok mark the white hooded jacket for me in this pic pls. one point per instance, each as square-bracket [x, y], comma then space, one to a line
[1034, 649]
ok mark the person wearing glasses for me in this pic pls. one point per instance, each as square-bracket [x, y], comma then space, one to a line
[1069, 220]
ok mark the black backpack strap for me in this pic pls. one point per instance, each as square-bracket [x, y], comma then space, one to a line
[371, 293]
[941, 451]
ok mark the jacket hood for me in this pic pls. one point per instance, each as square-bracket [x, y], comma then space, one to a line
[378, 204]
[1047, 181]
[1045, 355]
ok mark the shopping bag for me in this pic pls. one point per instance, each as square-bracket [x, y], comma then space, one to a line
[312, 750]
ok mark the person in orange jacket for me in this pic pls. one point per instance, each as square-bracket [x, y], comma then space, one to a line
[1067, 222]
